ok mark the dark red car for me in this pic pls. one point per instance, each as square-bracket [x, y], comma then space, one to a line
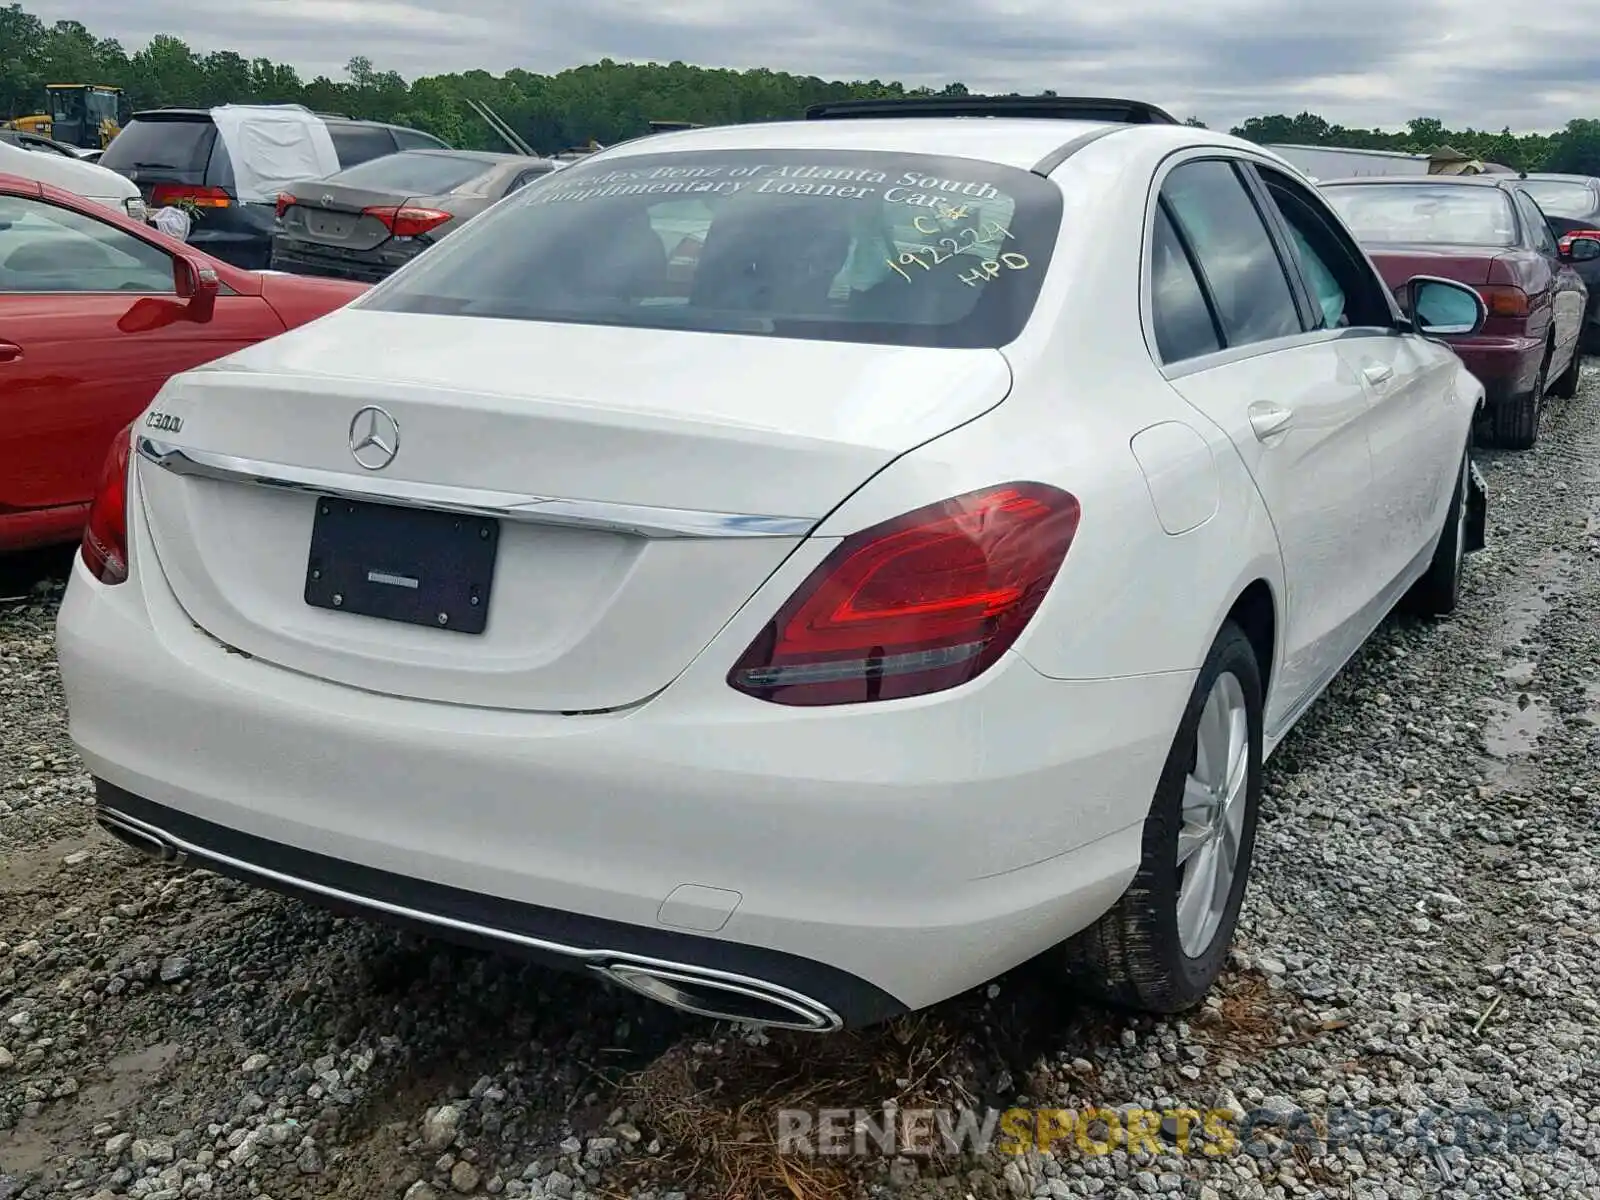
[96, 312]
[1487, 231]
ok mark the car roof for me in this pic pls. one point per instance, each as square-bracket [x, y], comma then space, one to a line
[1492, 181]
[488, 157]
[204, 114]
[21, 183]
[1012, 141]
[1557, 177]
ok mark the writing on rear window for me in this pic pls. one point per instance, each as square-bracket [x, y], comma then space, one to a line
[961, 244]
[850, 245]
[810, 179]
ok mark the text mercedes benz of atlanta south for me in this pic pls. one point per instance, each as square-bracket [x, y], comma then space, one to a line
[797, 571]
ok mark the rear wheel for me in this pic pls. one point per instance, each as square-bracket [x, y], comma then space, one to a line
[1566, 387]
[1164, 943]
[1514, 425]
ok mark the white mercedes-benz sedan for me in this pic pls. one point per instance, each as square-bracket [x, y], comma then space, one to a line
[797, 571]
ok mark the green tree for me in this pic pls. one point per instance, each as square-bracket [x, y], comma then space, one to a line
[605, 101]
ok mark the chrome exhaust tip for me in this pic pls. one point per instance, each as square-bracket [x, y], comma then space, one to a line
[725, 998]
[145, 840]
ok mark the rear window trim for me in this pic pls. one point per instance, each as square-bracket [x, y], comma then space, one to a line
[979, 328]
[1328, 190]
[215, 171]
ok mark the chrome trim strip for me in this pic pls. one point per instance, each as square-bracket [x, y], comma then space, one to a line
[816, 1017]
[807, 1016]
[640, 520]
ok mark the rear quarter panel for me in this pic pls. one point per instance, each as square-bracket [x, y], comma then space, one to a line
[1131, 598]
[1534, 274]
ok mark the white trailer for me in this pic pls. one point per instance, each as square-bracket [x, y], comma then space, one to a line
[1328, 162]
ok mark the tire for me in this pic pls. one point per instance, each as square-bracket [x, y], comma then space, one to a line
[1437, 593]
[1140, 954]
[1566, 387]
[1514, 425]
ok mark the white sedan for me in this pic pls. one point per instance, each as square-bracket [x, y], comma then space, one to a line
[32, 157]
[796, 571]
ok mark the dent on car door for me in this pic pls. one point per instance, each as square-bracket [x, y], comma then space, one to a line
[90, 313]
[1234, 343]
[1417, 428]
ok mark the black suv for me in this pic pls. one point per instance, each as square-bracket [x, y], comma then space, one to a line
[176, 157]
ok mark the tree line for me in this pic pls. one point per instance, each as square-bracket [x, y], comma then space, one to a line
[604, 102]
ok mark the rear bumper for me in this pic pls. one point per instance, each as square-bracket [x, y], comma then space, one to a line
[240, 235]
[871, 860]
[1506, 366]
[807, 994]
[364, 266]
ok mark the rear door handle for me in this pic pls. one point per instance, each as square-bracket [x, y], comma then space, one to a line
[9, 352]
[1378, 373]
[1269, 420]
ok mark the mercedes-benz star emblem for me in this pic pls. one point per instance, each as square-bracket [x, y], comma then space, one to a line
[374, 438]
[327, 199]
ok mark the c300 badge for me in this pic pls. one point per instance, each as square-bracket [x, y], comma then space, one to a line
[165, 422]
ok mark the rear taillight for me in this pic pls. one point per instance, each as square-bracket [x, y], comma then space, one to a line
[285, 202]
[1503, 300]
[164, 194]
[105, 537]
[406, 221]
[917, 604]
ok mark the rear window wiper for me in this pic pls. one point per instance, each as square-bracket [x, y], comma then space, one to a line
[154, 166]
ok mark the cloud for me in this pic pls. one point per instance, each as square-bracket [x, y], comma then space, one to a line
[1356, 62]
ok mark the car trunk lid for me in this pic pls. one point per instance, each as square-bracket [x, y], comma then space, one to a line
[332, 214]
[682, 430]
[1398, 263]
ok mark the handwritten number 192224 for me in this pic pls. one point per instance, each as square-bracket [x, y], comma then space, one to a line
[927, 257]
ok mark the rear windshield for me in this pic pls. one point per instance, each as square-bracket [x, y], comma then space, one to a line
[162, 146]
[1559, 199]
[419, 174]
[834, 245]
[1443, 214]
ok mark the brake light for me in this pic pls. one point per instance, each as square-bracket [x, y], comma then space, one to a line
[406, 221]
[1503, 300]
[285, 203]
[105, 536]
[164, 194]
[918, 604]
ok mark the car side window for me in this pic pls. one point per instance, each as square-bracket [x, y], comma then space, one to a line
[47, 248]
[1184, 325]
[1235, 254]
[413, 139]
[1342, 283]
[360, 143]
[1539, 231]
[527, 177]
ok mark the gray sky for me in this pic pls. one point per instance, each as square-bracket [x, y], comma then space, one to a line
[1358, 62]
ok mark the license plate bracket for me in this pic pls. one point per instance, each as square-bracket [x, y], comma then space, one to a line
[416, 566]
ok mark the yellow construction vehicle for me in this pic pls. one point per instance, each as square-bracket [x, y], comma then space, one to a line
[86, 115]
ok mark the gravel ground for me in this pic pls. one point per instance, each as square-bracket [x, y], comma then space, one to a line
[1418, 942]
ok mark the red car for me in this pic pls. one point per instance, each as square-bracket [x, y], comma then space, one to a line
[96, 311]
[1485, 230]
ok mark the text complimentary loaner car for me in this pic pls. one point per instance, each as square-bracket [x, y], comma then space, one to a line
[797, 571]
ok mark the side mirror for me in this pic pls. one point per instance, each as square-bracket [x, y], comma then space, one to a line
[198, 284]
[1443, 307]
[1582, 249]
